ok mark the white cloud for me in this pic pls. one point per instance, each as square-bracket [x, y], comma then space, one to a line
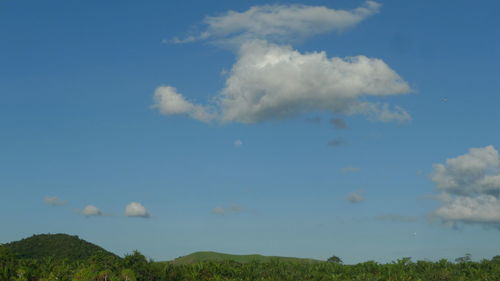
[135, 209]
[470, 187]
[475, 172]
[91, 210]
[355, 197]
[478, 209]
[54, 201]
[238, 143]
[270, 81]
[221, 211]
[279, 23]
[169, 102]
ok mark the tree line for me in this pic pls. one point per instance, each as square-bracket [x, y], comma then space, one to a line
[135, 267]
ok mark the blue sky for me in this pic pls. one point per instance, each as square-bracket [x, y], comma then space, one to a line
[82, 135]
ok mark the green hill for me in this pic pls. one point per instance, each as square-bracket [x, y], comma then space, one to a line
[220, 257]
[57, 246]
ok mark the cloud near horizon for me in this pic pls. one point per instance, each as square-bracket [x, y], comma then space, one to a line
[135, 209]
[470, 188]
[91, 211]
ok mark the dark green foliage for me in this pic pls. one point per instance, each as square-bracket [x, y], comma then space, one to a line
[466, 258]
[56, 246]
[135, 267]
[335, 259]
[8, 264]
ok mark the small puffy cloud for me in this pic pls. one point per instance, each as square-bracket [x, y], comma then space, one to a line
[396, 218]
[279, 23]
[470, 187]
[54, 201]
[235, 208]
[237, 143]
[355, 197]
[350, 169]
[135, 209]
[338, 123]
[221, 211]
[91, 210]
[336, 142]
[272, 82]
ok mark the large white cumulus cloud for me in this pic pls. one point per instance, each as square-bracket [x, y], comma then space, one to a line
[470, 187]
[271, 80]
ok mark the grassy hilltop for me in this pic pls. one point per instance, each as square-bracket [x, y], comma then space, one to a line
[221, 257]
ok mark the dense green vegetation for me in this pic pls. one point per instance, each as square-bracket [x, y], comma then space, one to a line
[135, 267]
[56, 246]
[220, 257]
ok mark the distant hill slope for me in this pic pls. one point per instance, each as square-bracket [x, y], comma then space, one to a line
[220, 257]
[58, 246]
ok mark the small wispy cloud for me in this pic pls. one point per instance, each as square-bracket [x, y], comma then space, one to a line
[355, 197]
[54, 201]
[278, 23]
[238, 143]
[221, 211]
[338, 123]
[135, 209]
[338, 141]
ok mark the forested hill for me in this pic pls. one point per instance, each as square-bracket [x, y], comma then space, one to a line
[57, 246]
